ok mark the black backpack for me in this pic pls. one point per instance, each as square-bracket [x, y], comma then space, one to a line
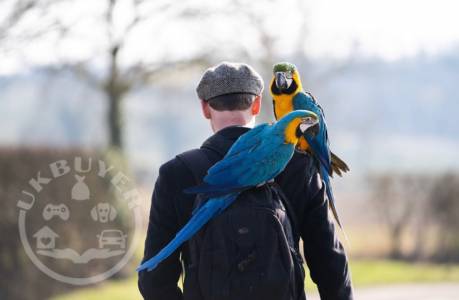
[249, 251]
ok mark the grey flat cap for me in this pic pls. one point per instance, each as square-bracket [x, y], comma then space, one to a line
[228, 78]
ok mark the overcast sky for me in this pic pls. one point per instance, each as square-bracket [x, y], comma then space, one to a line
[389, 29]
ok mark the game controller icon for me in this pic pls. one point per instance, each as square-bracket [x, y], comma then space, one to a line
[60, 210]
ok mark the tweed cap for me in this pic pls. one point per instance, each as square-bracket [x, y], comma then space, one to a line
[228, 78]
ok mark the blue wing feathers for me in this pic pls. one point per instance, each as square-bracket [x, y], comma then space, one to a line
[251, 138]
[230, 174]
[321, 153]
[304, 101]
[319, 144]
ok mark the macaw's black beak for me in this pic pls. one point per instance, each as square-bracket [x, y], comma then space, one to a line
[281, 81]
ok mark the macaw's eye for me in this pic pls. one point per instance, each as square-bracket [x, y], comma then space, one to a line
[288, 75]
[308, 120]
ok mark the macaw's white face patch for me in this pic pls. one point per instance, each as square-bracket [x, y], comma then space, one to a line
[307, 123]
[304, 127]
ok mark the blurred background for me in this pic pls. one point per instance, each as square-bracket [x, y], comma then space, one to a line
[115, 80]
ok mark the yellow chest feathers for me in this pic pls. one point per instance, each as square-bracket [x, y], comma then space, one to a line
[283, 104]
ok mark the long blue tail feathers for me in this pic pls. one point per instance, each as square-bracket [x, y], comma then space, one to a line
[210, 209]
[329, 191]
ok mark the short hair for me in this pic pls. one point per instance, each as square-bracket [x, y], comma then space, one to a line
[232, 102]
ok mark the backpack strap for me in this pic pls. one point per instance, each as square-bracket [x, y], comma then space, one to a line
[288, 207]
[197, 162]
[218, 144]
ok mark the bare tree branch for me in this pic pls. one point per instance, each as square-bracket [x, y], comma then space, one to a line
[17, 12]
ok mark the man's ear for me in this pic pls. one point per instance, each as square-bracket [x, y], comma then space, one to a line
[205, 109]
[256, 105]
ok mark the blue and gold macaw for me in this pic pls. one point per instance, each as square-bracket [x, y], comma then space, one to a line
[288, 95]
[254, 159]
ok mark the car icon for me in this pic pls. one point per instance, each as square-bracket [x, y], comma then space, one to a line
[112, 237]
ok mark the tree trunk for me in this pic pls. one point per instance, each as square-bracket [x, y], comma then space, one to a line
[115, 122]
[396, 239]
[115, 91]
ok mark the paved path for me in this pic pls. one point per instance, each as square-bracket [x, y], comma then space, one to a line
[429, 291]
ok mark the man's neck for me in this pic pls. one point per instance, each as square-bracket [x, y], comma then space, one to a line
[223, 123]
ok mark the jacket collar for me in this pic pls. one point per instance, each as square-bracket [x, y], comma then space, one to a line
[222, 140]
[232, 132]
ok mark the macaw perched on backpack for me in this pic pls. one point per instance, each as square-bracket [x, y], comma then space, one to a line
[288, 95]
[254, 159]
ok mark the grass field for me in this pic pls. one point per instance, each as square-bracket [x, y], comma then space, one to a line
[364, 273]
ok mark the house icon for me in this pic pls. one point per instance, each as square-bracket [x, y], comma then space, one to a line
[46, 238]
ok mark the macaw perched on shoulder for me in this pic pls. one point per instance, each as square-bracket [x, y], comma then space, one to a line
[254, 159]
[288, 95]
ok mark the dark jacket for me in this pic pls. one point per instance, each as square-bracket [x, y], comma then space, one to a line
[300, 181]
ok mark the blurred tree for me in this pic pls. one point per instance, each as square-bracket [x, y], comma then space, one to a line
[13, 12]
[18, 26]
[108, 33]
[387, 200]
[119, 82]
[444, 206]
[398, 198]
[119, 75]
